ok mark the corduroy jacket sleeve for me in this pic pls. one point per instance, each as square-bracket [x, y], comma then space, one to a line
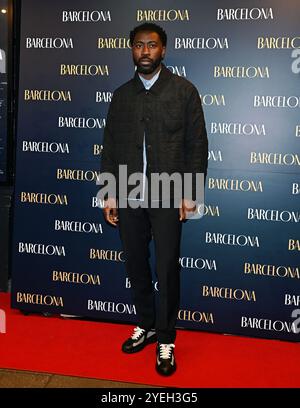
[108, 162]
[196, 143]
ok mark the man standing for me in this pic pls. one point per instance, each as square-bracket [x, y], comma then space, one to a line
[155, 125]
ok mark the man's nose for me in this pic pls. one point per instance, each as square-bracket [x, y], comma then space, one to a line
[145, 49]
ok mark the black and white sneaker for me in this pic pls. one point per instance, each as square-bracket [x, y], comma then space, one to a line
[139, 339]
[165, 359]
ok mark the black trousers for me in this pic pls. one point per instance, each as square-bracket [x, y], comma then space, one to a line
[137, 227]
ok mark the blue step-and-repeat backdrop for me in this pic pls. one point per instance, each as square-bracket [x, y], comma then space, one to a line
[240, 262]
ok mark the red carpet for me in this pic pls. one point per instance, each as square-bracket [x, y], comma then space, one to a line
[92, 349]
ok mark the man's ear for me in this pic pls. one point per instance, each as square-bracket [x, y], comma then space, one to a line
[164, 49]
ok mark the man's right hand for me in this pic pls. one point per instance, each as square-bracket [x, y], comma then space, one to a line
[110, 211]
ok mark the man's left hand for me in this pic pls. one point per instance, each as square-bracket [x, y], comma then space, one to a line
[187, 209]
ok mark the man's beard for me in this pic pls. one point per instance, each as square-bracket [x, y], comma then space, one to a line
[148, 68]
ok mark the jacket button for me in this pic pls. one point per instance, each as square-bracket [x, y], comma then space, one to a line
[149, 146]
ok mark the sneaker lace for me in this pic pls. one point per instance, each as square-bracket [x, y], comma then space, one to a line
[165, 350]
[137, 332]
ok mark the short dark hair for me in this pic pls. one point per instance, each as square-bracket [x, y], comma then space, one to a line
[149, 27]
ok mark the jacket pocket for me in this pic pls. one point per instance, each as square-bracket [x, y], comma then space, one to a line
[172, 117]
[172, 125]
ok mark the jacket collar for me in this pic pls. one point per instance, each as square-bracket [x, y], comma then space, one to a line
[164, 76]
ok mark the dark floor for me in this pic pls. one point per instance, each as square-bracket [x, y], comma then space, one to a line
[27, 379]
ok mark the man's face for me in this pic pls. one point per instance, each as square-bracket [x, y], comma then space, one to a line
[147, 52]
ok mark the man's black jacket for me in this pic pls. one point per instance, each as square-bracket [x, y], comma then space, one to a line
[170, 116]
